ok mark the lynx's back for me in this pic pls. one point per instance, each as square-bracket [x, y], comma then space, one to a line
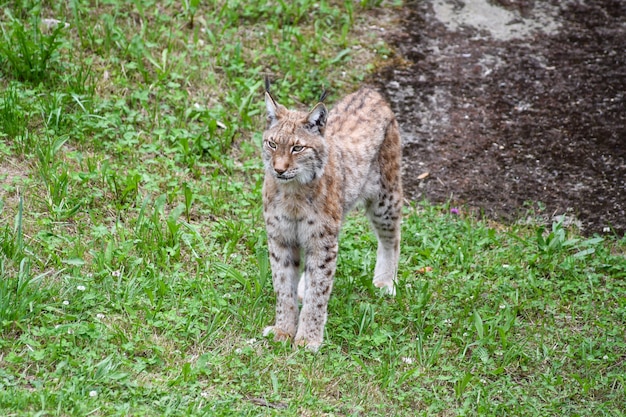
[363, 132]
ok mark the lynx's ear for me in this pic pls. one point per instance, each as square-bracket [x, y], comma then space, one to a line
[316, 120]
[272, 109]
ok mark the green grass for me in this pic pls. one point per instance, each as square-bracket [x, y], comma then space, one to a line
[134, 277]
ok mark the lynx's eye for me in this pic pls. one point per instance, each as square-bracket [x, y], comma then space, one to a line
[297, 148]
[271, 144]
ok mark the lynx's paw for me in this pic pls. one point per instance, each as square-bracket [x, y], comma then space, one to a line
[309, 337]
[388, 286]
[279, 334]
[312, 346]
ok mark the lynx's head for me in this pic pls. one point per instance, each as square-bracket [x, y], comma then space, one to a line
[294, 148]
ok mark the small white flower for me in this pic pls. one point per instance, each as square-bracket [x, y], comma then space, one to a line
[117, 273]
[238, 351]
[53, 23]
[502, 306]
[605, 357]
[93, 393]
[66, 303]
[606, 229]
[100, 316]
[251, 341]
[81, 288]
[506, 266]
[408, 361]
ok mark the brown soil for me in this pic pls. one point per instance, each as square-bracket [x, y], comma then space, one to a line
[505, 124]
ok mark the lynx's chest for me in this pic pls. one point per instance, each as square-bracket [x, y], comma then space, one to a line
[288, 202]
[299, 215]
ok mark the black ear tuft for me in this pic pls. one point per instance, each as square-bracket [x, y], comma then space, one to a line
[267, 83]
[323, 96]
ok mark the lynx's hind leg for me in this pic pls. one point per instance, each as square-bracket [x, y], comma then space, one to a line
[385, 211]
[385, 217]
[301, 286]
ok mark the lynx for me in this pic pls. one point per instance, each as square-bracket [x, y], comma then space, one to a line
[318, 166]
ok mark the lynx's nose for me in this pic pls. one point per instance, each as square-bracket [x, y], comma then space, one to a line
[280, 166]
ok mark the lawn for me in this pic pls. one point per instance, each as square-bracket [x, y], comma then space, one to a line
[134, 274]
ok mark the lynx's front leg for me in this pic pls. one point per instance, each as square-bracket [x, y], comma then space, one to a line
[321, 261]
[285, 264]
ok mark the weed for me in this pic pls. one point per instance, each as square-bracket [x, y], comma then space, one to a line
[13, 120]
[28, 51]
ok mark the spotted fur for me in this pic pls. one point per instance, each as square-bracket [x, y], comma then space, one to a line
[318, 166]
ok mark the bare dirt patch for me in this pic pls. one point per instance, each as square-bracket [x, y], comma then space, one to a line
[508, 104]
[12, 173]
